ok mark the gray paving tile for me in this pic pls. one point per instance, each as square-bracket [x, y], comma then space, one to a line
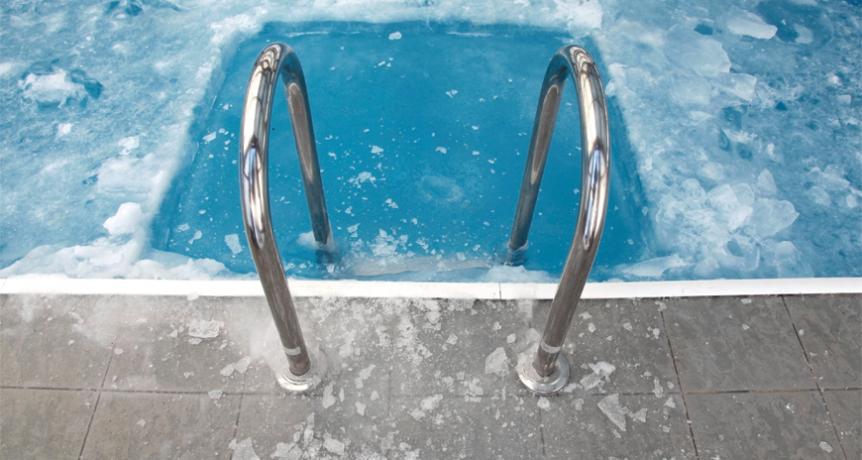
[762, 425]
[726, 343]
[581, 427]
[439, 426]
[149, 425]
[42, 424]
[428, 346]
[830, 327]
[846, 410]
[174, 344]
[442, 346]
[53, 341]
[628, 334]
[343, 421]
[356, 337]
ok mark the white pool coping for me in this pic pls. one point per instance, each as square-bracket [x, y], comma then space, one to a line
[56, 285]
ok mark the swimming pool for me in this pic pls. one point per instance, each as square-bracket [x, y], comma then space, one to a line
[725, 163]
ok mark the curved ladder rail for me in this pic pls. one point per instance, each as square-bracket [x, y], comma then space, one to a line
[301, 373]
[549, 370]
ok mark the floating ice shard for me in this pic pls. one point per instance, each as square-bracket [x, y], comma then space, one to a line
[751, 25]
[232, 242]
[772, 216]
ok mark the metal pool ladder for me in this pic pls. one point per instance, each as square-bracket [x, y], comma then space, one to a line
[302, 372]
[548, 372]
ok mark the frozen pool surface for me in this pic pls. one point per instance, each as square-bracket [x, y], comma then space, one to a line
[743, 120]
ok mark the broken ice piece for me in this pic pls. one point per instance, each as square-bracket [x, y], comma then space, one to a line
[204, 329]
[610, 406]
[496, 362]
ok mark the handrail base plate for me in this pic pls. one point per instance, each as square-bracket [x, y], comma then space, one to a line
[544, 385]
[306, 382]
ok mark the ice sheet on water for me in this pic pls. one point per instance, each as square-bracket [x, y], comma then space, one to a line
[736, 120]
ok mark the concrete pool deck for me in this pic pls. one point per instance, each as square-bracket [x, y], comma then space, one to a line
[131, 376]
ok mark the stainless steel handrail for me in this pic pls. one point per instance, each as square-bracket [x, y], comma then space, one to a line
[549, 370]
[301, 373]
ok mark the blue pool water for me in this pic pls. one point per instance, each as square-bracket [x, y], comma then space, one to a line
[423, 130]
[736, 127]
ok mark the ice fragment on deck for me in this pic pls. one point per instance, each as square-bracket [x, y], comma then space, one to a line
[364, 374]
[430, 403]
[610, 406]
[496, 362]
[657, 390]
[426, 405]
[328, 399]
[243, 450]
[240, 366]
[204, 329]
[639, 416]
[333, 445]
[543, 403]
[601, 372]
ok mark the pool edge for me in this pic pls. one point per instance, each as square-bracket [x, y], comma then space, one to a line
[50, 285]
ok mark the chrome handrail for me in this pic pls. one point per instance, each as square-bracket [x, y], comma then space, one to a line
[549, 370]
[280, 59]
